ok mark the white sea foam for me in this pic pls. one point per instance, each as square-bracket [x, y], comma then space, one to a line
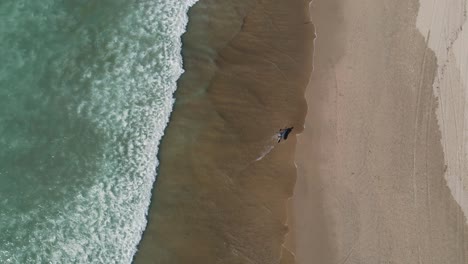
[268, 148]
[128, 100]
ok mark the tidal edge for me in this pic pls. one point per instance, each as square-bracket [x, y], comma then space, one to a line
[247, 66]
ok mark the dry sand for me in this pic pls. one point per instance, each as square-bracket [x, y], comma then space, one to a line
[444, 23]
[371, 186]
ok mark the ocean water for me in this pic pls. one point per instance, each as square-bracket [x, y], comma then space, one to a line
[85, 94]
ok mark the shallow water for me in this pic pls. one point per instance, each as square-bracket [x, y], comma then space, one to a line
[216, 201]
[85, 94]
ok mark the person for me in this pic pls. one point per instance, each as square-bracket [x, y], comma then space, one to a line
[284, 133]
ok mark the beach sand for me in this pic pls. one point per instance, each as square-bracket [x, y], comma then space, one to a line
[216, 200]
[444, 24]
[371, 186]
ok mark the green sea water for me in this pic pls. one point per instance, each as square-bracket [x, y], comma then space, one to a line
[85, 94]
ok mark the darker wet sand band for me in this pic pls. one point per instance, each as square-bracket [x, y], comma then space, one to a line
[247, 66]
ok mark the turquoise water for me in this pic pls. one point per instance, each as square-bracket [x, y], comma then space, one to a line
[85, 94]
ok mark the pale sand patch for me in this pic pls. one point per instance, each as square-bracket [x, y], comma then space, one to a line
[444, 25]
[371, 185]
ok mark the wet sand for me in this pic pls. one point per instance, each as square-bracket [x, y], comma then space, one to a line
[371, 186]
[247, 66]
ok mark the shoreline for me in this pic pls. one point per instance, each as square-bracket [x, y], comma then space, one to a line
[370, 184]
[290, 239]
[245, 78]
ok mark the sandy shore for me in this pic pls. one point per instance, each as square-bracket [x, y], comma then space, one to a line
[444, 25]
[247, 66]
[371, 186]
